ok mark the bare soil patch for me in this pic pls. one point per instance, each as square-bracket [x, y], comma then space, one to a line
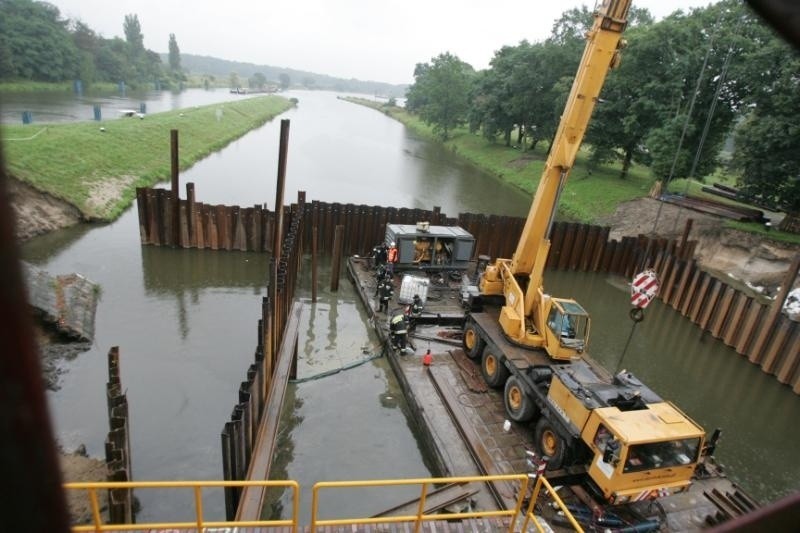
[736, 254]
[37, 212]
[104, 194]
[76, 466]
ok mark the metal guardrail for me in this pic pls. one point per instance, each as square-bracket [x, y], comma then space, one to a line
[200, 523]
[197, 486]
[421, 516]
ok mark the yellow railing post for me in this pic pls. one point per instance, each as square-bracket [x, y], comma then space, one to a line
[295, 505]
[198, 506]
[98, 522]
[314, 502]
[421, 508]
[523, 489]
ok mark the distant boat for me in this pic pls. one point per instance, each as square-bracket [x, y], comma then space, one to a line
[131, 113]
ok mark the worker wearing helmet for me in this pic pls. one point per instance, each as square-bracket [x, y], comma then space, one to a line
[414, 311]
[398, 327]
[385, 292]
[391, 258]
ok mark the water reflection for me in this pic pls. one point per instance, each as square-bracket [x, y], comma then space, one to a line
[44, 247]
[169, 271]
[703, 377]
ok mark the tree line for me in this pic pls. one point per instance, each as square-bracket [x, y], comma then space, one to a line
[37, 44]
[687, 87]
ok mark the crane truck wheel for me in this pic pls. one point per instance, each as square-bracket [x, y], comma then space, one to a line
[494, 371]
[472, 341]
[519, 406]
[549, 443]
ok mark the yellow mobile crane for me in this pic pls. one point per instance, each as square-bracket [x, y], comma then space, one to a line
[632, 444]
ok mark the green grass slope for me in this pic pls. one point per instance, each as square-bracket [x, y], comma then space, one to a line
[98, 171]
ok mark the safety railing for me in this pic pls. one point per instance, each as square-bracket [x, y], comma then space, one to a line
[513, 514]
[200, 524]
[529, 516]
[197, 487]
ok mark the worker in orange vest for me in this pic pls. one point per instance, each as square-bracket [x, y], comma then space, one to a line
[391, 258]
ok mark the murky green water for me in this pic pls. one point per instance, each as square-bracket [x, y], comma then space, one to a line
[186, 324]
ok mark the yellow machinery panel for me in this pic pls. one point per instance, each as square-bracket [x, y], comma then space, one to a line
[510, 320]
[570, 406]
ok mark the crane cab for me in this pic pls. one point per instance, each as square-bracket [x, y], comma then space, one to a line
[566, 328]
[642, 454]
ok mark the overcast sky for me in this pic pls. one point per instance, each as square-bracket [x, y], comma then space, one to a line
[379, 40]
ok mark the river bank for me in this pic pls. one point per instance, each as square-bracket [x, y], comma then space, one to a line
[96, 167]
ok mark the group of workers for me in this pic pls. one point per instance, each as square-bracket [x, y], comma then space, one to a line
[385, 257]
[400, 323]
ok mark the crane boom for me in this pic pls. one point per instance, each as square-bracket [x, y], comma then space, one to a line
[525, 311]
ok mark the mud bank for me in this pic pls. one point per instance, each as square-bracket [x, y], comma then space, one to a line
[738, 255]
[37, 212]
[77, 466]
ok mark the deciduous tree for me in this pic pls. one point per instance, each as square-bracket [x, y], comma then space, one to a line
[440, 93]
[133, 33]
[174, 54]
[767, 143]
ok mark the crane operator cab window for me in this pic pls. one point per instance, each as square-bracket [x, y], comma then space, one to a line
[569, 322]
[661, 454]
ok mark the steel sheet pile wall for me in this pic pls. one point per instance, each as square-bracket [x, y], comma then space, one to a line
[118, 445]
[216, 227]
[760, 332]
[264, 379]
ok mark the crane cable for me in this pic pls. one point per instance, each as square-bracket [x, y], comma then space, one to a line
[686, 124]
[720, 83]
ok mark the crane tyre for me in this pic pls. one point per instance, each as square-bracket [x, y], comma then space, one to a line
[519, 406]
[472, 341]
[550, 443]
[494, 371]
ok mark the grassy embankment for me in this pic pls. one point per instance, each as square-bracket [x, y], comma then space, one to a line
[73, 161]
[589, 195]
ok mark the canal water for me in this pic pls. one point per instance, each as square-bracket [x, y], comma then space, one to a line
[185, 321]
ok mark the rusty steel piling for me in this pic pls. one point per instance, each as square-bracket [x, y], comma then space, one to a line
[174, 172]
[118, 444]
[336, 261]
